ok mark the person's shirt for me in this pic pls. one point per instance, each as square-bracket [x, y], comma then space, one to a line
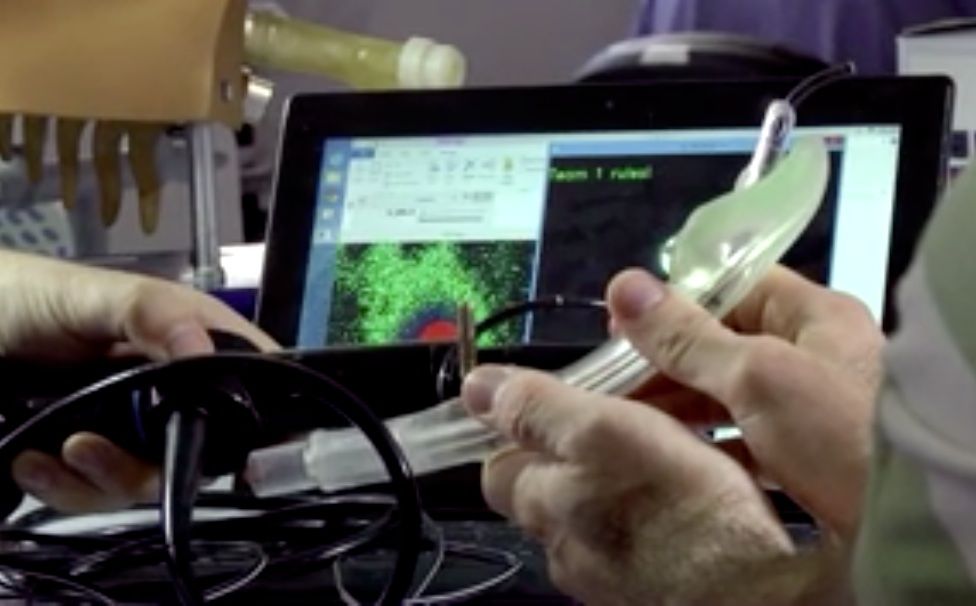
[863, 31]
[918, 537]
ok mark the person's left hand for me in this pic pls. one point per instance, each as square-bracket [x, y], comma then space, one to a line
[57, 311]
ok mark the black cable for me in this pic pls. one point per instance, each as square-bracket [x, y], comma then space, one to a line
[478, 553]
[125, 545]
[261, 561]
[74, 565]
[131, 551]
[185, 435]
[408, 515]
[279, 565]
[448, 370]
[817, 81]
[79, 591]
[136, 547]
[442, 550]
[555, 302]
[438, 561]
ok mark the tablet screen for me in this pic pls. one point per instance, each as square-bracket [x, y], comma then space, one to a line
[407, 228]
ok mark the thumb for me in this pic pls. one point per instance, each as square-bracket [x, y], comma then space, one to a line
[680, 338]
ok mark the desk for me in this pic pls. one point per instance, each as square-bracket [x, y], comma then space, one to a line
[530, 586]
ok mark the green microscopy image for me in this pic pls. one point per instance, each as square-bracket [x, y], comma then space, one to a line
[388, 293]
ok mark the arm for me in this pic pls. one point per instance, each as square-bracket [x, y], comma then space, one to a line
[918, 540]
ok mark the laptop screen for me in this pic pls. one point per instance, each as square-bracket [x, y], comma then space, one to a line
[407, 228]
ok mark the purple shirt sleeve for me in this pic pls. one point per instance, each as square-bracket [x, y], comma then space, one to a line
[863, 31]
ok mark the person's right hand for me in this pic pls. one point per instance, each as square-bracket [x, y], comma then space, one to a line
[632, 508]
[795, 366]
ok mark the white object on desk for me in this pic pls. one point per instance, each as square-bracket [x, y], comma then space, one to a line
[42, 228]
[78, 524]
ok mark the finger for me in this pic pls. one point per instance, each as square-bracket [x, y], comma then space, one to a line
[541, 494]
[528, 407]
[122, 350]
[589, 574]
[538, 493]
[740, 453]
[219, 316]
[687, 405]
[86, 310]
[779, 304]
[167, 321]
[119, 476]
[542, 414]
[677, 336]
[52, 482]
[783, 397]
[499, 474]
[763, 381]
[745, 373]
[836, 326]
[787, 305]
[552, 498]
[571, 571]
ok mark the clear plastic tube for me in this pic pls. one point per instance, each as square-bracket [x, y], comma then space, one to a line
[434, 439]
[724, 248]
[279, 42]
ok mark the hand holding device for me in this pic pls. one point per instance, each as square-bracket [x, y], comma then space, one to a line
[133, 421]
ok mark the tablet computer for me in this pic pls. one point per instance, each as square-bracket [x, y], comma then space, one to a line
[391, 209]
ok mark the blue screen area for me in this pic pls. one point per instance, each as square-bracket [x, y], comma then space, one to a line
[407, 228]
[336, 159]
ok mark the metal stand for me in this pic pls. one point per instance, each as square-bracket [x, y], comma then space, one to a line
[207, 272]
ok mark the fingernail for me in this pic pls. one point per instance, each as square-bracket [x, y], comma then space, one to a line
[188, 339]
[478, 391]
[34, 477]
[638, 293]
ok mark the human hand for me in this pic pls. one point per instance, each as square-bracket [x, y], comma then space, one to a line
[795, 366]
[59, 311]
[633, 507]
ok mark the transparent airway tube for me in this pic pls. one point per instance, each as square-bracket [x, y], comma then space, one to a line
[723, 249]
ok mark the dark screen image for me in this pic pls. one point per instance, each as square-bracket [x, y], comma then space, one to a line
[605, 214]
[388, 293]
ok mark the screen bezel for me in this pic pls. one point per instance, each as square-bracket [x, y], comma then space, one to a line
[921, 106]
